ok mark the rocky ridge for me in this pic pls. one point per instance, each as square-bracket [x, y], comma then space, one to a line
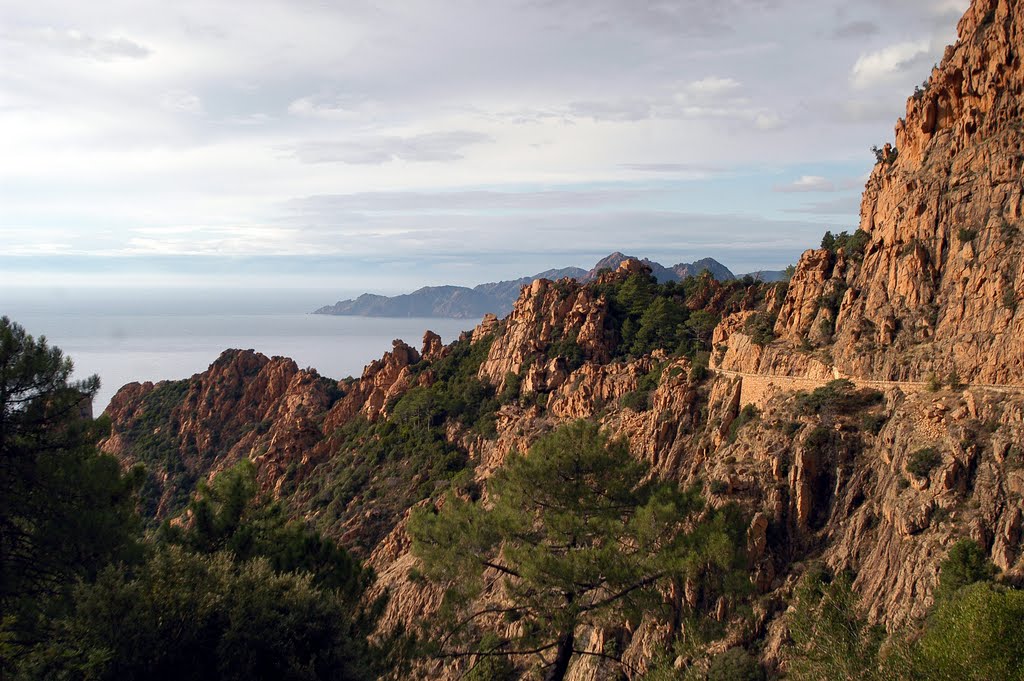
[878, 482]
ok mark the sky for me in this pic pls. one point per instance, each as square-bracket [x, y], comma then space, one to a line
[387, 144]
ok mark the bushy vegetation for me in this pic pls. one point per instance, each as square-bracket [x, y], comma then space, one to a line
[974, 630]
[678, 318]
[382, 468]
[852, 244]
[923, 461]
[232, 591]
[748, 414]
[579, 534]
[838, 397]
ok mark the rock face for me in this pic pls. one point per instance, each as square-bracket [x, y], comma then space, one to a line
[881, 484]
[941, 279]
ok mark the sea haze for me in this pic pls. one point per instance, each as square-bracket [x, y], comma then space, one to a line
[159, 335]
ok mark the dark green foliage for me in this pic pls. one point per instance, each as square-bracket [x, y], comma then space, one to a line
[965, 564]
[831, 639]
[965, 234]
[65, 509]
[735, 664]
[718, 487]
[186, 616]
[154, 443]
[638, 400]
[882, 157]
[579, 536]
[676, 317]
[699, 367]
[852, 244]
[227, 515]
[979, 635]
[747, 414]
[510, 393]
[1010, 299]
[838, 397]
[383, 468]
[873, 423]
[761, 328]
[568, 349]
[923, 461]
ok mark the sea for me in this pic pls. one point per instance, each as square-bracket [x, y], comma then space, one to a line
[135, 336]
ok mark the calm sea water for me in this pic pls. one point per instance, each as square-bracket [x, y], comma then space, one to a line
[157, 338]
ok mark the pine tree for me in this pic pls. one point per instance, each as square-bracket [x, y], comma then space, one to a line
[572, 534]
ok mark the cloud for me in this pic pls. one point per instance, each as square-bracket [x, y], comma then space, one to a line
[376, 150]
[695, 169]
[846, 206]
[344, 206]
[713, 86]
[179, 101]
[889, 63]
[807, 183]
[79, 44]
[329, 107]
[619, 110]
[857, 29]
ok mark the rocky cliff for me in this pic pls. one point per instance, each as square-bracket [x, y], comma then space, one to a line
[936, 289]
[880, 479]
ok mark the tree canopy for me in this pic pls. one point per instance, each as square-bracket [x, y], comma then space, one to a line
[65, 509]
[574, 533]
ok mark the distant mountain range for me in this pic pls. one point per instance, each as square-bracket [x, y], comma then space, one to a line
[461, 302]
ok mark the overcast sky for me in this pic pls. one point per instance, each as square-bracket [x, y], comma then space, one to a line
[395, 143]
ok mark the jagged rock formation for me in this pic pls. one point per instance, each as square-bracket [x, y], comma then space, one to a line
[882, 483]
[939, 284]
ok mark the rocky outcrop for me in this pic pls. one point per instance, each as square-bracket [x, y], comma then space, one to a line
[549, 312]
[942, 276]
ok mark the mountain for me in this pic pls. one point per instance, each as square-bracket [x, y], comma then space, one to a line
[862, 421]
[458, 302]
[768, 276]
[461, 302]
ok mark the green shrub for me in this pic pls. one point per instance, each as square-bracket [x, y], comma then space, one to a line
[735, 664]
[923, 461]
[747, 414]
[718, 487]
[761, 328]
[965, 234]
[977, 635]
[840, 396]
[934, 383]
[965, 564]
[638, 400]
[873, 423]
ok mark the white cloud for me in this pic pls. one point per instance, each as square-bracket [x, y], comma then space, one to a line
[713, 86]
[808, 183]
[80, 44]
[888, 63]
[374, 150]
[179, 101]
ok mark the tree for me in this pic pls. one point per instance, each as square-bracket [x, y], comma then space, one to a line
[977, 635]
[965, 564]
[66, 510]
[188, 616]
[570, 535]
[228, 515]
[831, 640]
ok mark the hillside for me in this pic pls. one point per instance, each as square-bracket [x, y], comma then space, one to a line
[863, 418]
[460, 302]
